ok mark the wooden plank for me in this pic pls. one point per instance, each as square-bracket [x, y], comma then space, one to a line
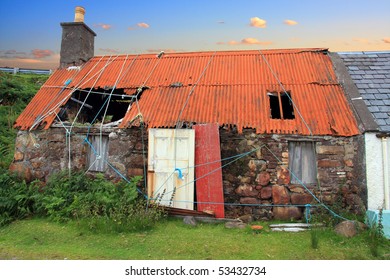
[171, 150]
[171, 211]
[208, 172]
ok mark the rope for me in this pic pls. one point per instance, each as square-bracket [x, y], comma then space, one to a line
[85, 99]
[303, 185]
[49, 112]
[216, 169]
[187, 100]
[236, 203]
[285, 91]
[203, 164]
[307, 213]
[138, 92]
[92, 91]
[111, 166]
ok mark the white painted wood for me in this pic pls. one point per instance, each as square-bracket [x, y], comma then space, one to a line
[171, 149]
[290, 229]
[294, 225]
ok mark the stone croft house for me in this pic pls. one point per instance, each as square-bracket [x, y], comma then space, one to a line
[262, 133]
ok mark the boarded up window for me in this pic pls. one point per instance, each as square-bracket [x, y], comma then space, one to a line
[98, 151]
[302, 162]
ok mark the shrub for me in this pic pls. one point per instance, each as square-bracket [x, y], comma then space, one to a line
[16, 200]
[96, 203]
[15, 92]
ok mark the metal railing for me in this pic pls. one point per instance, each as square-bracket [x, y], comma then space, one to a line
[26, 71]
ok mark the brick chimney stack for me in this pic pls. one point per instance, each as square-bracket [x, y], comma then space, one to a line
[78, 41]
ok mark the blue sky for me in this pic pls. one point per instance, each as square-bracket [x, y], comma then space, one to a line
[30, 31]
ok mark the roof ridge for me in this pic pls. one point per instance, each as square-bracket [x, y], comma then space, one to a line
[225, 52]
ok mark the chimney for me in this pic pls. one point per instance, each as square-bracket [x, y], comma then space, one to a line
[78, 40]
[79, 13]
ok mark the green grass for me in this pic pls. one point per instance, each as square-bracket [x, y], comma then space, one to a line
[172, 240]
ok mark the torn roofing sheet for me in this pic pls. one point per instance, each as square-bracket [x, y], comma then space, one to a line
[224, 87]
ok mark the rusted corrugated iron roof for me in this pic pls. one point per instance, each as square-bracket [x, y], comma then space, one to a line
[228, 88]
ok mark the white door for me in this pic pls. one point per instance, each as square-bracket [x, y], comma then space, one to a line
[170, 167]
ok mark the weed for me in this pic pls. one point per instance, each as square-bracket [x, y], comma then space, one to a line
[375, 235]
[15, 198]
[314, 236]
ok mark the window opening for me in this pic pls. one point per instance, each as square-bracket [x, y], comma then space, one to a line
[98, 152]
[302, 162]
[281, 106]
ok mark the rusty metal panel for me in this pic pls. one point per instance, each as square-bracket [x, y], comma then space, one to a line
[208, 171]
[227, 87]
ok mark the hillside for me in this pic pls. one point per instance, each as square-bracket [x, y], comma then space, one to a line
[15, 93]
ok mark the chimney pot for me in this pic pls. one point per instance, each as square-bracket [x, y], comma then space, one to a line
[79, 14]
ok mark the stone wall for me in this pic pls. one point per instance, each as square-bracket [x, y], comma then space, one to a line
[262, 178]
[253, 184]
[41, 153]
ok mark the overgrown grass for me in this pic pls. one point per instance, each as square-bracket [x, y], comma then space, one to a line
[172, 240]
[95, 202]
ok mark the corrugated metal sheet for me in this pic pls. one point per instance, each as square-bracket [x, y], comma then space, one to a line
[229, 88]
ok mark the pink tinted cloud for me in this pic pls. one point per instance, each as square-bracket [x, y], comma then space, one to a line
[34, 54]
[386, 40]
[143, 25]
[108, 50]
[38, 53]
[105, 26]
[361, 40]
[138, 26]
[258, 22]
[290, 22]
[164, 50]
[246, 41]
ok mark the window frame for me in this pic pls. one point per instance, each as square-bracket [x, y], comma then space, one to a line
[96, 150]
[302, 162]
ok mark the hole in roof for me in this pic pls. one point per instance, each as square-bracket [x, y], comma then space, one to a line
[93, 107]
[281, 106]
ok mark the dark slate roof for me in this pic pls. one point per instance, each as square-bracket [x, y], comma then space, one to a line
[370, 71]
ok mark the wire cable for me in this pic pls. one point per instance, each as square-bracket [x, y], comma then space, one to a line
[285, 91]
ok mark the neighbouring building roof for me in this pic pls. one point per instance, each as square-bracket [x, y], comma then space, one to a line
[370, 71]
[225, 87]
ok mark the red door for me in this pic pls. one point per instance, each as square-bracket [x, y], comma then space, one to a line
[208, 172]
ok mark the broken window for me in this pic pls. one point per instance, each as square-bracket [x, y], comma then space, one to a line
[98, 152]
[302, 162]
[90, 106]
[281, 106]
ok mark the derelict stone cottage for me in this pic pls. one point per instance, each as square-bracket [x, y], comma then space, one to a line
[260, 132]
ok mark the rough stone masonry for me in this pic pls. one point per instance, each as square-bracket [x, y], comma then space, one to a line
[255, 184]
